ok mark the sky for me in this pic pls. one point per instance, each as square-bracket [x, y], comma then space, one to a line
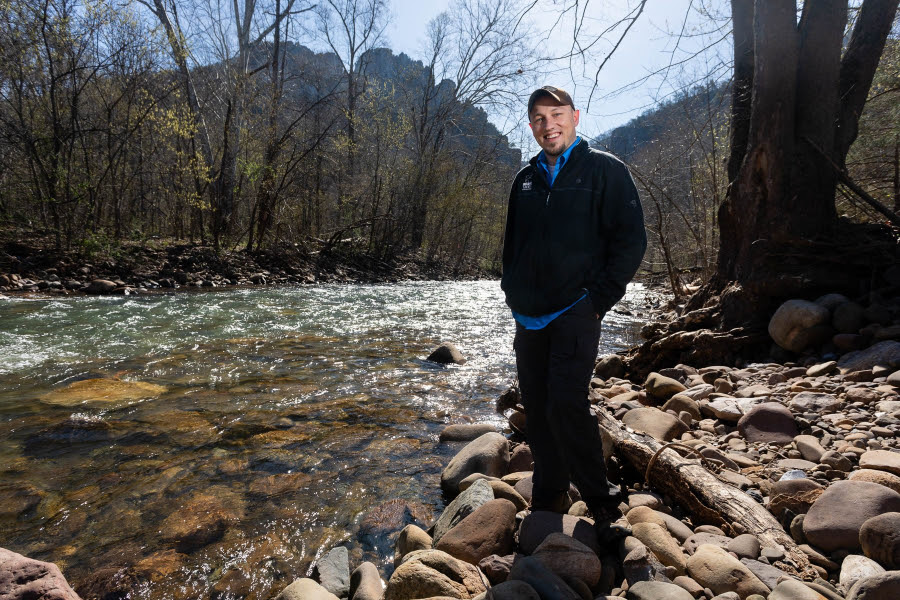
[648, 47]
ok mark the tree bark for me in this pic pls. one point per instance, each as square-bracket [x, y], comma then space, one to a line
[754, 207]
[742, 86]
[858, 68]
[702, 494]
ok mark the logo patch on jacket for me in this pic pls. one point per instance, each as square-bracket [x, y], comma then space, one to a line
[526, 185]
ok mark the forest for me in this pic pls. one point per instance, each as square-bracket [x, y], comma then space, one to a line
[215, 123]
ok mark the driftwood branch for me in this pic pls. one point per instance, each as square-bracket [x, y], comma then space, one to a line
[845, 179]
[701, 493]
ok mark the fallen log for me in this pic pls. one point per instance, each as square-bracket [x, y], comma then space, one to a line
[708, 499]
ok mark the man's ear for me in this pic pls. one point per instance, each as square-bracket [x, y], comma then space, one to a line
[576, 117]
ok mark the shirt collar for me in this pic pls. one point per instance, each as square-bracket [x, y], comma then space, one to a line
[561, 159]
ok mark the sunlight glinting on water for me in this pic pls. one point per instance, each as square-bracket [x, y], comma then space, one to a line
[300, 416]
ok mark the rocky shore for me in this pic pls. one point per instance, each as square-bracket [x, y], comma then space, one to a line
[769, 480]
[133, 268]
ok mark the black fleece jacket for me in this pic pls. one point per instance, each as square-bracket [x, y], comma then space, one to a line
[586, 233]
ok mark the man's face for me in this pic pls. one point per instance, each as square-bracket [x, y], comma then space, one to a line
[553, 125]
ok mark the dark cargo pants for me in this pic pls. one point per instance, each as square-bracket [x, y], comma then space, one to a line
[555, 365]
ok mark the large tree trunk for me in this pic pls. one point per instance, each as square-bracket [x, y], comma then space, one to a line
[781, 198]
[780, 236]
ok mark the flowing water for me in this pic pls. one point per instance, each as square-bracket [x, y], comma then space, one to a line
[212, 445]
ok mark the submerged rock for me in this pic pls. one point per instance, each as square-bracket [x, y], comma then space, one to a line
[103, 392]
[447, 353]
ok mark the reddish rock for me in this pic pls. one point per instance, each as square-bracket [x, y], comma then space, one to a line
[23, 578]
[835, 519]
[487, 530]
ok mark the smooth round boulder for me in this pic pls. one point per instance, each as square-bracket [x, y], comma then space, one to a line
[514, 590]
[446, 353]
[713, 567]
[682, 403]
[305, 589]
[662, 388]
[462, 506]
[464, 432]
[654, 422]
[365, 583]
[487, 530]
[855, 567]
[880, 539]
[538, 525]
[488, 454]
[428, 573]
[791, 589]
[881, 460]
[569, 558]
[836, 517]
[411, 538]
[798, 324]
[657, 590]
[880, 587]
[544, 581]
[661, 544]
[768, 423]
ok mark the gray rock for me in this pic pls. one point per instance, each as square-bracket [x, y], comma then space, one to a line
[446, 353]
[305, 589]
[825, 368]
[769, 422]
[814, 402]
[855, 567]
[479, 493]
[766, 573]
[832, 301]
[745, 546]
[680, 403]
[544, 581]
[797, 324]
[488, 454]
[657, 590]
[848, 318]
[699, 539]
[886, 354]
[23, 578]
[880, 539]
[538, 525]
[514, 590]
[365, 583]
[640, 564]
[333, 571]
[727, 409]
[880, 587]
[836, 517]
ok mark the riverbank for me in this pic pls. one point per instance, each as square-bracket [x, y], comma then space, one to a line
[130, 267]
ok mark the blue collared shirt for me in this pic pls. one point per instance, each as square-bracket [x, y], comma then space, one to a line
[549, 173]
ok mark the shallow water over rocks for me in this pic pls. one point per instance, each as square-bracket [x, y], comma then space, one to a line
[213, 445]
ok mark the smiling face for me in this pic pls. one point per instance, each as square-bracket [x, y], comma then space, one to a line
[553, 126]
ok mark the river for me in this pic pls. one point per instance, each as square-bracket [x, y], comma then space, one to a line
[212, 445]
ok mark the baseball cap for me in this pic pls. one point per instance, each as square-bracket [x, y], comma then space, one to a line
[558, 94]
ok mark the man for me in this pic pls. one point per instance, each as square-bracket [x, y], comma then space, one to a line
[574, 239]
